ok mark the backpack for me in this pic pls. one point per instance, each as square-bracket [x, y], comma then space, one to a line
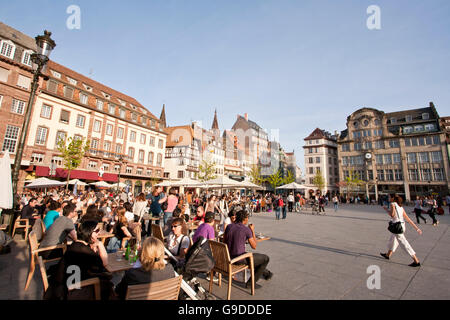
[280, 202]
[199, 258]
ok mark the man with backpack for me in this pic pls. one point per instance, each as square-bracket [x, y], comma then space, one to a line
[278, 206]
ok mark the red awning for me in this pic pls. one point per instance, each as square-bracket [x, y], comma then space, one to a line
[76, 174]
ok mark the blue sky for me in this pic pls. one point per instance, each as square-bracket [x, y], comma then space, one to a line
[291, 65]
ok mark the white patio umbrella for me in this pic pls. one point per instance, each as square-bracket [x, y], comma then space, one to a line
[45, 183]
[165, 183]
[223, 181]
[186, 182]
[78, 182]
[6, 193]
[121, 185]
[101, 184]
[250, 185]
[292, 185]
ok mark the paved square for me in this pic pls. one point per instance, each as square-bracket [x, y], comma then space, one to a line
[314, 257]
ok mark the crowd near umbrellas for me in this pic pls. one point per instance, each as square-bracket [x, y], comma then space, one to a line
[292, 186]
[78, 182]
[121, 185]
[44, 183]
[186, 182]
[6, 194]
[101, 184]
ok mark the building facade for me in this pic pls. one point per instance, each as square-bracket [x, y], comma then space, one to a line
[321, 156]
[398, 152]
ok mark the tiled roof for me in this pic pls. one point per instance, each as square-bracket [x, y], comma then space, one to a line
[17, 37]
[180, 133]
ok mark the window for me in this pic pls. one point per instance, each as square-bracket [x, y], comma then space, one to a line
[7, 49]
[387, 159]
[111, 108]
[379, 159]
[10, 140]
[438, 174]
[56, 74]
[389, 175]
[109, 129]
[80, 121]
[23, 82]
[141, 156]
[122, 113]
[408, 118]
[423, 157]
[131, 152]
[4, 74]
[318, 170]
[380, 175]
[429, 127]
[357, 146]
[134, 116]
[72, 81]
[64, 117]
[92, 164]
[398, 174]
[310, 160]
[378, 132]
[344, 161]
[411, 157]
[94, 146]
[26, 57]
[99, 105]
[394, 143]
[60, 136]
[133, 136]
[152, 141]
[46, 111]
[367, 145]
[396, 158]
[107, 146]
[117, 168]
[41, 135]
[425, 116]
[426, 174]
[68, 92]
[57, 160]
[346, 147]
[139, 171]
[118, 149]
[150, 158]
[120, 133]
[129, 170]
[37, 157]
[149, 172]
[152, 124]
[393, 120]
[1, 99]
[17, 106]
[436, 156]
[418, 128]
[407, 129]
[52, 86]
[436, 140]
[107, 96]
[143, 136]
[97, 125]
[88, 88]
[83, 98]
[379, 144]
[317, 159]
[413, 175]
[180, 174]
[105, 166]
[159, 159]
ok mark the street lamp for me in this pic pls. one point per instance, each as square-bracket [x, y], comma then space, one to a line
[120, 169]
[45, 45]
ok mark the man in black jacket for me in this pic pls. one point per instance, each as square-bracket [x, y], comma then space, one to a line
[30, 211]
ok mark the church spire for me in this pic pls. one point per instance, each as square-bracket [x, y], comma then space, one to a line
[162, 117]
[215, 124]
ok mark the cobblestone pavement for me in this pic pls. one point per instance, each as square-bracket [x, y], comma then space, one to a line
[313, 257]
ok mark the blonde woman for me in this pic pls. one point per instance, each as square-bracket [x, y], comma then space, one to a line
[151, 267]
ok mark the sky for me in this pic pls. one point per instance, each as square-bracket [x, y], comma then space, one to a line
[292, 66]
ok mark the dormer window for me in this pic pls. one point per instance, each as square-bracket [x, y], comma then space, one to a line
[134, 107]
[123, 103]
[99, 105]
[7, 49]
[393, 120]
[88, 88]
[83, 98]
[107, 96]
[26, 57]
[56, 74]
[72, 81]
[408, 118]
[425, 116]
[122, 113]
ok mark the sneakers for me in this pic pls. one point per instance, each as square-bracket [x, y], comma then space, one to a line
[414, 264]
[267, 275]
[215, 279]
[384, 255]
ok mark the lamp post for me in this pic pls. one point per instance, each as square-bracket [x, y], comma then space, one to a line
[120, 169]
[45, 45]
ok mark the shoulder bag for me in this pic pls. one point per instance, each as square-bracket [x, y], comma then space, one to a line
[396, 227]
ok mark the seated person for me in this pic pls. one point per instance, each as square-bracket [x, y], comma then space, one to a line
[200, 216]
[186, 211]
[152, 267]
[120, 231]
[89, 255]
[236, 235]
[178, 243]
[58, 232]
[133, 226]
[229, 220]
[92, 213]
[30, 211]
[55, 210]
[168, 226]
[206, 230]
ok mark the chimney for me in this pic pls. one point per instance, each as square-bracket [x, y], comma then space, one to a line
[246, 116]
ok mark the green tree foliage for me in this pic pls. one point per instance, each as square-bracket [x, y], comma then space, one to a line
[72, 152]
[275, 180]
[206, 171]
[255, 175]
[352, 182]
[319, 181]
[289, 178]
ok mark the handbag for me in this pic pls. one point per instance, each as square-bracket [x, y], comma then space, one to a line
[395, 227]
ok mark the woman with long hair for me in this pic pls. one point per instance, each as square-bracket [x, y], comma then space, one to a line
[398, 214]
[172, 202]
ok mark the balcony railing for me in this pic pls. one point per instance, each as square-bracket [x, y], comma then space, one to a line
[109, 154]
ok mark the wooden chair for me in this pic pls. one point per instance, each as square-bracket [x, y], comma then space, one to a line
[157, 232]
[224, 265]
[21, 224]
[34, 257]
[162, 290]
[95, 282]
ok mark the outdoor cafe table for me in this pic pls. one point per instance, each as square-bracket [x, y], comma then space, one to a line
[117, 266]
[103, 235]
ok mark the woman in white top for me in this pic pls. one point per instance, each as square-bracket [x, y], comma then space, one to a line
[178, 243]
[397, 213]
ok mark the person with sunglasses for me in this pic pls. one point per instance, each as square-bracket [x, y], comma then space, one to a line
[178, 243]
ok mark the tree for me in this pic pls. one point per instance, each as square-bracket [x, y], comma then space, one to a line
[352, 181]
[255, 175]
[289, 178]
[275, 180]
[206, 171]
[72, 153]
[319, 181]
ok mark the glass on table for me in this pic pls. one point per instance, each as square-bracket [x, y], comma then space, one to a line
[119, 255]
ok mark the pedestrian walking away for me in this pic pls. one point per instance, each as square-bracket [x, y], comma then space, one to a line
[418, 210]
[398, 214]
[336, 203]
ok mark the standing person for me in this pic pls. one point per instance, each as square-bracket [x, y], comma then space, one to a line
[157, 199]
[285, 205]
[236, 236]
[291, 200]
[139, 207]
[432, 209]
[172, 202]
[223, 206]
[322, 204]
[418, 210]
[278, 206]
[398, 214]
[336, 203]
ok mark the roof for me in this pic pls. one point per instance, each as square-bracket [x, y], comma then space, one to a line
[17, 37]
[179, 136]
[320, 134]
[97, 89]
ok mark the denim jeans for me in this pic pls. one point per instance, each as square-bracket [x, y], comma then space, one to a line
[113, 245]
[167, 215]
[336, 206]
[278, 213]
